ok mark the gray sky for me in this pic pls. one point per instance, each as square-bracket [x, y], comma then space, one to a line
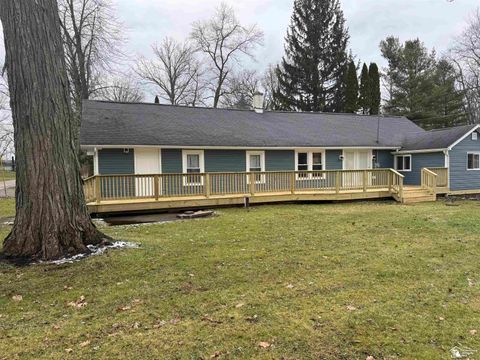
[435, 22]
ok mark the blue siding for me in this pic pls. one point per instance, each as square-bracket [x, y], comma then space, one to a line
[384, 159]
[333, 161]
[171, 161]
[115, 161]
[460, 177]
[420, 161]
[225, 160]
[279, 160]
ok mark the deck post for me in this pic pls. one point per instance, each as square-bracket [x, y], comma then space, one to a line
[400, 188]
[337, 181]
[365, 180]
[155, 186]
[207, 185]
[252, 183]
[390, 181]
[292, 182]
[97, 189]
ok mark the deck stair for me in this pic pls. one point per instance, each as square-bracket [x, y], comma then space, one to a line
[414, 194]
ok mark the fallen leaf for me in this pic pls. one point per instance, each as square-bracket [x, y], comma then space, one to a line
[136, 325]
[370, 358]
[289, 286]
[473, 332]
[159, 324]
[351, 308]
[175, 321]
[216, 354]
[441, 318]
[65, 287]
[84, 343]
[252, 319]
[80, 303]
[264, 344]
[56, 327]
[239, 305]
[470, 282]
[69, 350]
[124, 308]
[17, 297]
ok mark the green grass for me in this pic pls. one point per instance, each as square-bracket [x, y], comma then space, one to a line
[332, 281]
[7, 175]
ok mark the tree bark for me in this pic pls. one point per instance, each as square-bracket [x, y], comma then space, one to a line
[51, 220]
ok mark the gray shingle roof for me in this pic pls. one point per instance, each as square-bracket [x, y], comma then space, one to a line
[435, 139]
[108, 123]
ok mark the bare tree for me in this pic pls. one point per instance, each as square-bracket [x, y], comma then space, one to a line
[6, 127]
[465, 54]
[92, 42]
[271, 87]
[174, 72]
[51, 219]
[224, 40]
[239, 90]
[120, 89]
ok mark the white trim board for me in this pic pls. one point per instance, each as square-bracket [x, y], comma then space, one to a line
[463, 137]
[393, 148]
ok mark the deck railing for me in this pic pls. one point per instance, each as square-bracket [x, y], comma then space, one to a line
[442, 176]
[157, 186]
[429, 180]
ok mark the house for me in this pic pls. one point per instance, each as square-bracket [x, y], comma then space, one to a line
[152, 154]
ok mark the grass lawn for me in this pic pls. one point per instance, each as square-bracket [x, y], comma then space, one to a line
[7, 175]
[332, 281]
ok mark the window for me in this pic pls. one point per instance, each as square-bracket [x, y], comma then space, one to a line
[256, 163]
[309, 161]
[403, 162]
[193, 163]
[474, 135]
[473, 161]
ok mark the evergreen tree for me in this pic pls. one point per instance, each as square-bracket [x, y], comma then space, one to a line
[375, 94]
[420, 87]
[311, 75]
[351, 89]
[365, 93]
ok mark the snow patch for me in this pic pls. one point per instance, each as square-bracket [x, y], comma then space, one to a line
[95, 250]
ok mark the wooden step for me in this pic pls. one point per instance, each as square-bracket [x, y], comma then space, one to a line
[417, 199]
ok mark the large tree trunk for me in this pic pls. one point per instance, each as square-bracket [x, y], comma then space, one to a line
[51, 219]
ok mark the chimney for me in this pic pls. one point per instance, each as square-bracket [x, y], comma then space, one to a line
[258, 102]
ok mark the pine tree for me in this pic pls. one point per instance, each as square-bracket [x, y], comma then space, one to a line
[375, 94]
[365, 94]
[420, 87]
[311, 75]
[351, 89]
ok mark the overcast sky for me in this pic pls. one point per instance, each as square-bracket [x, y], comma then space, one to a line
[436, 22]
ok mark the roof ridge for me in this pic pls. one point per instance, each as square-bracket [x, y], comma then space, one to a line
[249, 110]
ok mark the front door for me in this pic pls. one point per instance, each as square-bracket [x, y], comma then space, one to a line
[147, 161]
[355, 160]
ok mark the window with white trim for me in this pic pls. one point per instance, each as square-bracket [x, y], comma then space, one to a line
[309, 160]
[256, 163]
[474, 135]
[473, 161]
[403, 162]
[193, 163]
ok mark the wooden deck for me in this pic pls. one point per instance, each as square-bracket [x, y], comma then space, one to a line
[130, 193]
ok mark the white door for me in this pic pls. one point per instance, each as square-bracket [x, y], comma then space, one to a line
[147, 161]
[356, 160]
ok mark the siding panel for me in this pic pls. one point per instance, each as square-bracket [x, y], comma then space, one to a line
[333, 161]
[171, 161]
[115, 161]
[225, 160]
[419, 161]
[460, 177]
[279, 160]
[384, 159]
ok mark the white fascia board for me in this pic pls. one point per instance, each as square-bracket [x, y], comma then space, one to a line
[401, 152]
[463, 137]
[239, 147]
